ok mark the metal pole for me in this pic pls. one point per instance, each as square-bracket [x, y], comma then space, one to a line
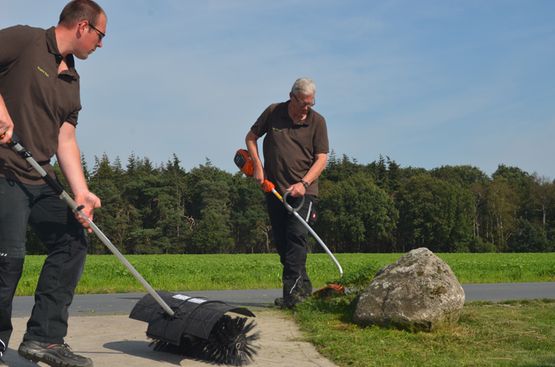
[318, 239]
[24, 153]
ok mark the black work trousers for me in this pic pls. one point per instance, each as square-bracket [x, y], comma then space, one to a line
[66, 247]
[290, 237]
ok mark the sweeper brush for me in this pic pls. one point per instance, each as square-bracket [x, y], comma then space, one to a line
[199, 328]
[177, 323]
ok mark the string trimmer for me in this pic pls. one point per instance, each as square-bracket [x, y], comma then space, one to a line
[244, 161]
[176, 322]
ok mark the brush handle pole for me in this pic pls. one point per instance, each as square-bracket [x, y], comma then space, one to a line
[102, 237]
[24, 153]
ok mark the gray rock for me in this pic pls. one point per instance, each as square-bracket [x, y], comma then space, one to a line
[419, 292]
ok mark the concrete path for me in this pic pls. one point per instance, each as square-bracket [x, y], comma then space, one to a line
[117, 341]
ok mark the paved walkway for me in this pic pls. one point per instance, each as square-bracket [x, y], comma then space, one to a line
[117, 341]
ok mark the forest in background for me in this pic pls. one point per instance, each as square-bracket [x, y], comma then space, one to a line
[375, 207]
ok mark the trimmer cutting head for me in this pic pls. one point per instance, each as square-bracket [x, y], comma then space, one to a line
[200, 328]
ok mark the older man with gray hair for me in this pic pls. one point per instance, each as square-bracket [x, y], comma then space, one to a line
[295, 151]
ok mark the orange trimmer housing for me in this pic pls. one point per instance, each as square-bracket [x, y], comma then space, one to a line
[243, 160]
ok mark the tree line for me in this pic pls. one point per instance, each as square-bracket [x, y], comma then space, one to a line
[375, 207]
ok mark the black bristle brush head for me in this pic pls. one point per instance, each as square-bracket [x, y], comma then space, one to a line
[231, 342]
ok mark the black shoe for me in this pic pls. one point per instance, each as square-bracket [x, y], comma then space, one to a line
[288, 302]
[283, 304]
[279, 302]
[2, 350]
[56, 355]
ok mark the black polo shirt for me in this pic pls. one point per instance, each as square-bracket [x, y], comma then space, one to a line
[290, 149]
[39, 100]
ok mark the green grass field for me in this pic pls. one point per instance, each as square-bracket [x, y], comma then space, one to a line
[104, 274]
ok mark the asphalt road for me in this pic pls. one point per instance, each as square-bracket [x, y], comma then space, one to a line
[123, 303]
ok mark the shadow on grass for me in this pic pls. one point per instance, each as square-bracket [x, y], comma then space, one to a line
[342, 307]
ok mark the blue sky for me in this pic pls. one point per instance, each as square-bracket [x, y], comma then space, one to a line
[427, 83]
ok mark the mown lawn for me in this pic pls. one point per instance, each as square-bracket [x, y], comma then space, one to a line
[518, 333]
[104, 273]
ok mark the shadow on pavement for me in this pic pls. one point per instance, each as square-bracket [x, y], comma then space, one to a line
[13, 359]
[143, 350]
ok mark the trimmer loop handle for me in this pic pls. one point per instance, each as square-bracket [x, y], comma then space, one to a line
[289, 208]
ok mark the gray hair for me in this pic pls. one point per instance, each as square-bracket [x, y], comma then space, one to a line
[304, 86]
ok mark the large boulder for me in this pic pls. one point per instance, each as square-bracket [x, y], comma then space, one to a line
[419, 292]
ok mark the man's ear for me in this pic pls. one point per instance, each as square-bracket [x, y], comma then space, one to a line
[80, 28]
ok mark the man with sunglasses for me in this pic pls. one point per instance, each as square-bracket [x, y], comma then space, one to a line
[295, 151]
[40, 103]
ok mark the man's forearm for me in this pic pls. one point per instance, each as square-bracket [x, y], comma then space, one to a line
[252, 147]
[317, 168]
[72, 169]
[69, 159]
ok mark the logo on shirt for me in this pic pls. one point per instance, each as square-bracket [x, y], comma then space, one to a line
[43, 71]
